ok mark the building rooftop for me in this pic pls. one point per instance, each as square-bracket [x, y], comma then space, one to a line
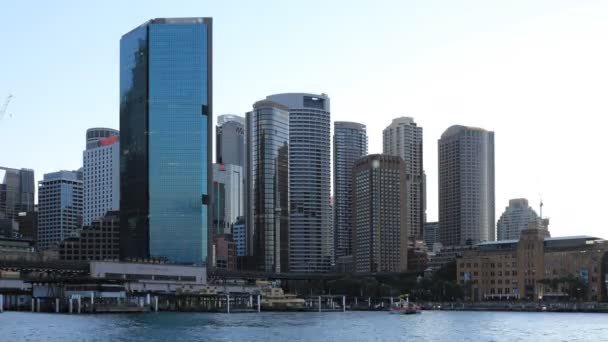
[561, 241]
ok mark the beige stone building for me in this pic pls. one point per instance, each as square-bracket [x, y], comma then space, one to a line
[535, 267]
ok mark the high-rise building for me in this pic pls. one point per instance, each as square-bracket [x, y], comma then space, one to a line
[403, 138]
[517, 217]
[101, 173]
[16, 196]
[60, 207]
[268, 186]
[431, 234]
[310, 231]
[466, 186]
[166, 140]
[228, 204]
[380, 225]
[350, 144]
[230, 140]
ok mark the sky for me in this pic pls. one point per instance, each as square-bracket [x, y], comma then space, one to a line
[534, 72]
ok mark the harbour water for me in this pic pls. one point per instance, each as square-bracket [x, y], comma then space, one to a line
[292, 327]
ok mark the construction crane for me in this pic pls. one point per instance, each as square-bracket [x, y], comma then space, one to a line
[5, 105]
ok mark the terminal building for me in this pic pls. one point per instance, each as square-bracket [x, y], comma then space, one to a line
[535, 267]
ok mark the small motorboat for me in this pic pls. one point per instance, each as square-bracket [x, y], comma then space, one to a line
[405, 307]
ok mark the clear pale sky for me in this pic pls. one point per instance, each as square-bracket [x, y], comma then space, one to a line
[535, 72]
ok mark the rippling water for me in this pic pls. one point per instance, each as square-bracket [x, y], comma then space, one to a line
[350, 326]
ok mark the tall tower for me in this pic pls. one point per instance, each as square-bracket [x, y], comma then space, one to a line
[379, 215]
[310, 231]
[403, 138]
[268, 186]
[230, 140]
[101, 173]
[350, 144]
[60, 206]
[166, 125]
[466, 186]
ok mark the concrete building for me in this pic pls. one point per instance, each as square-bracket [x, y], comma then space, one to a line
[466, 186]
[225, 253]
[517, 217]
[60, 207]
[151, 277]
[350, 144]
[268, 186]
[536, 267]
[431, 234]
[310, 231]
[230, 140]
[97, 241]
[380, 225]
[403, 138]
[228, 204]
[101, 173]
[166, 130]
[16, 196]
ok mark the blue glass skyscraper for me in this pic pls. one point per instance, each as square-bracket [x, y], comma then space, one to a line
[166, 122]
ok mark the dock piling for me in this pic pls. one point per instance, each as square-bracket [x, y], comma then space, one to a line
[259, 304]
[56, 305]
[343, 303]
[1, 303]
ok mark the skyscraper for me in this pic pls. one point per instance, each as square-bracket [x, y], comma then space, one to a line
[310, 231]
[228, 184]
[230, 140]
[519, 216]
[403, 138]
[166, 128]
[60, 206]
[466, 186]
[101, 173]
[16, 196]
[268, 186]
[379, 217]
[350, 144]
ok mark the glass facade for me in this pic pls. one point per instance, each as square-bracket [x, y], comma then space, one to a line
[268, 185]
[350, 144]
[166, 172]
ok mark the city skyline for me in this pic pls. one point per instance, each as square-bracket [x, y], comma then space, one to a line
[497, 52]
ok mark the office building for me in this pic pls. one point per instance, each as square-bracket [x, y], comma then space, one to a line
[517, 217]
[466, 186]
[535, 267]
[228, 196]
[431, 234]
[403, 138]
[239, 235]
[28, 225]
[166, 140]
[230, 140]
[16, 196]
[98, 241]
[101, 173]
[350, 144]
[310, 231]
[268, 186]
[60, 207]
[380, 224]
